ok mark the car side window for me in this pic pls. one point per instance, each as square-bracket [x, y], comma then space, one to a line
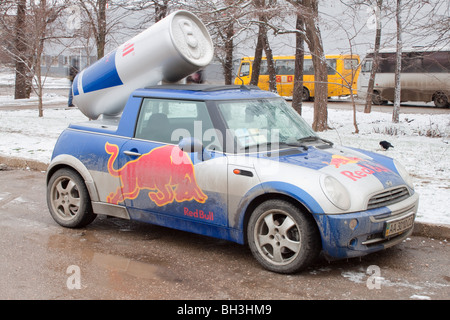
[169, 121]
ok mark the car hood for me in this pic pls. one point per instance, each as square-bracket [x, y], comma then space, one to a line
[362, 173]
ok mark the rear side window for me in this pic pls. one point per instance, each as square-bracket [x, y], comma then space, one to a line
[169, 121]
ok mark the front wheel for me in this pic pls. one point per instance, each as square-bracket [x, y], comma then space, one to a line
[68, 199]
[282, 238]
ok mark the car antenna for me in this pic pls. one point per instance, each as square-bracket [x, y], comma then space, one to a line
[243, 86]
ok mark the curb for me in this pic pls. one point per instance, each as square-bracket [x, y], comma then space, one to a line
[423, 229]
[429, 230]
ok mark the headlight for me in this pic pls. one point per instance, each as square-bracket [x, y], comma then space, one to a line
[404, 174]
[335, 192]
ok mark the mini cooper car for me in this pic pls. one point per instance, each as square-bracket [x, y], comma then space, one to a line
[236, 163]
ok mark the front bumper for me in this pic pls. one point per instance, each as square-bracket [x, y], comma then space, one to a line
[360, 233]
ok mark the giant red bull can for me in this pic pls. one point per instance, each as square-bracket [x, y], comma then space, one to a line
[170, 50]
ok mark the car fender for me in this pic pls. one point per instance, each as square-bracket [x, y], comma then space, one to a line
[65, 160]
[273, 188]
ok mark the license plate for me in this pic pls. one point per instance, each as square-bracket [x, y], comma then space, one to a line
[394, 227]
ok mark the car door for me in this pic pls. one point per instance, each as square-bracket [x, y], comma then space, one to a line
[159, 179]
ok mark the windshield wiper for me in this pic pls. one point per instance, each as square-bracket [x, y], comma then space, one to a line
[257, 145]
[314, 138]
[308, 139]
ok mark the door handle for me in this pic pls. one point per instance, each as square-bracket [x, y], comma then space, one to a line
[132, 153]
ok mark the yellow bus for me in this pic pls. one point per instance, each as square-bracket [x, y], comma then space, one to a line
[343, 71]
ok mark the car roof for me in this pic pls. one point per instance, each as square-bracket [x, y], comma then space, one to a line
[203, 92]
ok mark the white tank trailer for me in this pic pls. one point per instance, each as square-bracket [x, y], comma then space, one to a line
[168, 51]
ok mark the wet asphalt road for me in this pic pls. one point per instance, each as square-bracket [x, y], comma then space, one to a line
[118, 259]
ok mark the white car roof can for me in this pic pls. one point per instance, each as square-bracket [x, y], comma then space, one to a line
[168, 51]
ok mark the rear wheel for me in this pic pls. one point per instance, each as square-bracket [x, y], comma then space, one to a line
[440, 100]
[305, 94]
[68, 199]
[377, 99]
[282, 238]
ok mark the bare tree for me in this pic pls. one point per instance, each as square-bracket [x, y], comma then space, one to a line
[376, 59]
[314, 41]
[22, 54]
[263, 10]
[223, 20]
[308, 10]
[398, 64]
[104, 19]
[256, 69]
[16, 45]
[95, 11]
[31, 31]
[43, 14]
[298, 96]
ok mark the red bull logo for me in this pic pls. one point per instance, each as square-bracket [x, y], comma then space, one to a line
[167, 173]
[337, 160]
[364, 168]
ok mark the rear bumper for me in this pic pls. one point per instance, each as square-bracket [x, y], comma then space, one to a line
[360, 233]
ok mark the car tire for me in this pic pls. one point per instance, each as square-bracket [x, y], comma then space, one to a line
[68, 199]
[305, 94]
[440, 100]
[283, 238]
[377, 99]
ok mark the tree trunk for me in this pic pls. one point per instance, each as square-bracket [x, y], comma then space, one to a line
[320, 66]
[161, 10]
[228, 67]
[257, 59]
[398, 66]
[21, 55]
[41, 27]
[263, 44]
[297, 95]
[270, 63]
[101, 32]
[376, 60]
[320, 122]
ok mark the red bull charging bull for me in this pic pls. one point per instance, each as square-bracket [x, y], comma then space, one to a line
[165, 179]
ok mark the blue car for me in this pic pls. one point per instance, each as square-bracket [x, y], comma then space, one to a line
[235, 163]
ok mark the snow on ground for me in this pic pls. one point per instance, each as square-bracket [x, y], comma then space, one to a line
[7, 79]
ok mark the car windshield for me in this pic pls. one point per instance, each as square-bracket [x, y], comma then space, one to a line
[260, 123]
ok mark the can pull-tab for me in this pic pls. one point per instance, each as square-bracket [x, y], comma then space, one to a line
[191, 40]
